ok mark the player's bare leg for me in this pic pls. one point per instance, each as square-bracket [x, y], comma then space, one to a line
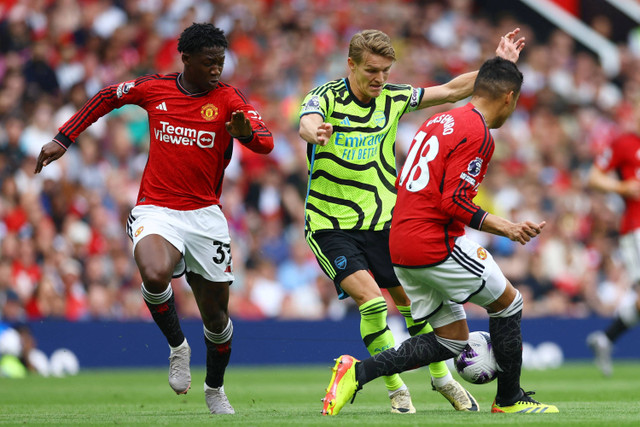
[212, 299]
[156, 259]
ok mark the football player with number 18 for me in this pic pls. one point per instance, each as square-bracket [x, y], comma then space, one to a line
[177, 226]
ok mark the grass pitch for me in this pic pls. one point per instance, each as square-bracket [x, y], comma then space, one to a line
[277, 396]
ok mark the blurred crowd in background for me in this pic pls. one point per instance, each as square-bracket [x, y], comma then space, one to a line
[64, 252]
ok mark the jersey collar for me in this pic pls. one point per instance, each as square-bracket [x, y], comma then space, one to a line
[186, 92]
[355, 98]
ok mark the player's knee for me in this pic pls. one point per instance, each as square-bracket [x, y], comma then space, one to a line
[364, 296]
[399, 296]
[513, 308]
[215, 322]
[453, 345]
[361, 287]
[156, 278]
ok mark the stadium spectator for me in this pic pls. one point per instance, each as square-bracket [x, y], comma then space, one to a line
[263, 289]
[74, 290]
[193, 119]
[46, 301]
[11, 153]
[299, 270]
[40, 77]
[13, 309]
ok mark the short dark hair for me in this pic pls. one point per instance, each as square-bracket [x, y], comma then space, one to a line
[497, 76]
[199, 36]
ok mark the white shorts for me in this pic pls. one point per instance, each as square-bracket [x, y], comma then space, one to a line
[201, 235]
[438, 292]
[630, 249]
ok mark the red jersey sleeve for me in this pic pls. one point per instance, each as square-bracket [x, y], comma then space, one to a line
[605, 159]
[102, 103]
[463, 172]
[261, 140]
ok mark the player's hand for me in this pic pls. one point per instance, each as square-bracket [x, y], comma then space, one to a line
[324, 132]
[630, 189]
[50, 152]
[523, 232]
[510, 48]
[239, 126]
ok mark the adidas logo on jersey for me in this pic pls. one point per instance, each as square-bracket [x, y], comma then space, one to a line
[345, 122]
[162, 106]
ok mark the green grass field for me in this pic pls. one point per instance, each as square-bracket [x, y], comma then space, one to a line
[275, 396]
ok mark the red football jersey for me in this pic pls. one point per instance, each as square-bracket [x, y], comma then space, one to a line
[623, 157]
[446, 163]
[189, 144]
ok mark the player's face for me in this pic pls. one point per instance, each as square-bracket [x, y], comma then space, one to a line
[202, 70]
[508, 109]
[368, 77]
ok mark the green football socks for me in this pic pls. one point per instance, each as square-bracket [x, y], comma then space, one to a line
[376, 334]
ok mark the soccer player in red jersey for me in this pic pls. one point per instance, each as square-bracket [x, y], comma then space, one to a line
[617, 169]
[437, 265]
[177, 226]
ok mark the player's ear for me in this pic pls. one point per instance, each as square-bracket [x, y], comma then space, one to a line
[508, 98]
[352, 64]
[185, 58]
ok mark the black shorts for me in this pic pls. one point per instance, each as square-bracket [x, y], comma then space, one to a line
[341, 253]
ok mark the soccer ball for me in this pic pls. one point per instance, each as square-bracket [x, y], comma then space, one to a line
[477, 364]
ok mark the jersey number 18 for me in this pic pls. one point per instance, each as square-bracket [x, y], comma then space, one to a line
[417, 170]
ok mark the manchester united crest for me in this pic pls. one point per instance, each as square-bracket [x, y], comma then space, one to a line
[209, 112]
[139, 230]
[482, 253]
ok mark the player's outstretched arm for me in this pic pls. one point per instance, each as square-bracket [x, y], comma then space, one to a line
[462, 86]
[600, 180]
[452, 91]
[103, 102]
[314, 130]
[50, 152]
[509, 48]
[521, 232]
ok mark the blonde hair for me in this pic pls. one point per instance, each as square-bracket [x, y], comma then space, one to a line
[370, 41]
